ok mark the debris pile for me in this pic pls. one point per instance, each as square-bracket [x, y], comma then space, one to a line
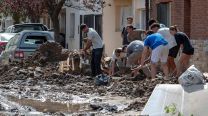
[47, 52]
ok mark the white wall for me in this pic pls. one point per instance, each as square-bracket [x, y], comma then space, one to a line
[73, 43]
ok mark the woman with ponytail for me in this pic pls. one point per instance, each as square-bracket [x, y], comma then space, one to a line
[182, 41]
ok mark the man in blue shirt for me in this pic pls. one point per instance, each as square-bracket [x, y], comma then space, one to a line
[159, 53]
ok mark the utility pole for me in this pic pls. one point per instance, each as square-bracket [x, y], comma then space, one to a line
[147, 4]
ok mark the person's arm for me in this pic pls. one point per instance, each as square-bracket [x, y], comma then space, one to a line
[144, 55]
[88, 45]
[143, 59]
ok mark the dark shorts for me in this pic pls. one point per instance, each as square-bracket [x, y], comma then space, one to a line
[173, 52]
[188, 52]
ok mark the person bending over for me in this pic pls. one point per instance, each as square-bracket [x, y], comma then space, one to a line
[187, 49]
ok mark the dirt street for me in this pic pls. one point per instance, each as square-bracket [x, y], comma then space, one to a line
[44, 90]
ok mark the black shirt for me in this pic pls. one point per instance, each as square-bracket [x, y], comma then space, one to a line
[125, 33]
[182, 38]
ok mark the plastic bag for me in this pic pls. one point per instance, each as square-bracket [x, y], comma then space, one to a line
[102, 79]
[191, 76]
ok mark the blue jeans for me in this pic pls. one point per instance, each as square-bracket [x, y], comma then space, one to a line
[96, 61]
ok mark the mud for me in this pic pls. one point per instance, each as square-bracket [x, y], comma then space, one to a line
[43, 90]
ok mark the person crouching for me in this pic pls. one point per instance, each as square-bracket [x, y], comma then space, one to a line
[118, 60]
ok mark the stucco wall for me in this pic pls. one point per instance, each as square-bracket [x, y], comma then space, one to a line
[112, 39]
[139, 4]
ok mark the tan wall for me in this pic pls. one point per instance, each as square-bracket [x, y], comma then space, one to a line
[112, 39]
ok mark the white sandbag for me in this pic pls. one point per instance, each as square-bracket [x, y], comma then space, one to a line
[191, 76]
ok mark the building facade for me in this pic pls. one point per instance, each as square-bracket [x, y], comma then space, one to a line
[191, 17]
[114, 19]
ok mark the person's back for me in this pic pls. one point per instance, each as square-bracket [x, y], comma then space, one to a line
[135, 46]
[168, 37]
[97, 42]
[184, 40]
[134, 52]
[155, 40]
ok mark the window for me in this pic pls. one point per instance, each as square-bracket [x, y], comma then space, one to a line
[140, 19]
[163, 13]
[122, 12]
[72, 25]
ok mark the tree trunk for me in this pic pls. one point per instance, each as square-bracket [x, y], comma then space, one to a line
[56, 27]
[16, 18]
[54, 13]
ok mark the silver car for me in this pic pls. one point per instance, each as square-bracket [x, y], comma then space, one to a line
[24, 44]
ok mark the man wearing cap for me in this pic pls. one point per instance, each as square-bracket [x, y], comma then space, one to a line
[96, 42]
[124, 31]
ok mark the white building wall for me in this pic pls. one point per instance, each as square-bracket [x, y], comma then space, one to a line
[72, 42]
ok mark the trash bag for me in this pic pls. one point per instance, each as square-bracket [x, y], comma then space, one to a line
[191, 76]
[102, 79]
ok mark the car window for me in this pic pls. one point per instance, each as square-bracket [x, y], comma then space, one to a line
[18, 29]
[33, 41]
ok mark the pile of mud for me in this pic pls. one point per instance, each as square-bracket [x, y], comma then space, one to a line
[47, 52]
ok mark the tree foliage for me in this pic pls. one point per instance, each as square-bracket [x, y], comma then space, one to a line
[32, 9]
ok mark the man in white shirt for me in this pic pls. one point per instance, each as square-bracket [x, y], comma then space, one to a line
[96, 42]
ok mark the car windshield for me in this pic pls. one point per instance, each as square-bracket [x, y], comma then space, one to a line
[35, 40]
[18, 29]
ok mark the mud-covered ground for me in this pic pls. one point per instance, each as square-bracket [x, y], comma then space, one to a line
[45, 91]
